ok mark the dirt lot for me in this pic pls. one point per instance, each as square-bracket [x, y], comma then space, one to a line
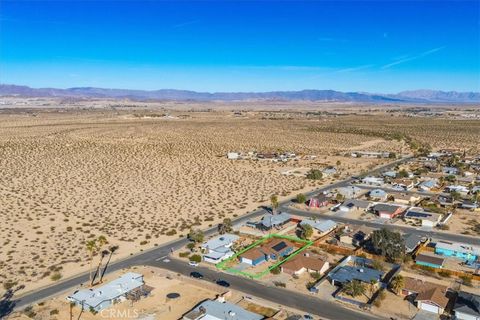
[71, 176]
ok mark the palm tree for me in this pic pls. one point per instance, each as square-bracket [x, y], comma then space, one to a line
[91, 248]
[274, 202]
[354, 288]
[112, 250]
[101, 241]
[72, 304]
[397, 283]
[103, 254]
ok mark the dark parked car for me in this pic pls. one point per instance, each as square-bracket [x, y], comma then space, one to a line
[223, 283]
[196, 275]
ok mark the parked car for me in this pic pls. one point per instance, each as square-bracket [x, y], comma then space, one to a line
[223, 283]
[193, 263]
[196, 275]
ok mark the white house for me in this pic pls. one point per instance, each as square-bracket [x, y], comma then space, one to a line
[218, 248]
[103, 297]
[233, 155]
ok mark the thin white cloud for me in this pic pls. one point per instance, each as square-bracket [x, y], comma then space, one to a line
[410, 58]
[353, 69]
[184, 24]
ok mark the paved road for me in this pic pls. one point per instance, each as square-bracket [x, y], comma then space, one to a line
[423, 233]
[307, 303]
[150, 256]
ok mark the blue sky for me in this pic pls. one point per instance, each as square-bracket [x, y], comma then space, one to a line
[378, 46]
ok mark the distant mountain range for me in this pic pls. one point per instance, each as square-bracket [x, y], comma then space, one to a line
[416, 96]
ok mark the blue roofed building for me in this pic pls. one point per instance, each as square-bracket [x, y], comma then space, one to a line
[462, 251]
[220, 310]
[354, 268]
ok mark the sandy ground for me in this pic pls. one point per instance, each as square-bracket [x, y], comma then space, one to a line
[156, 306]
[71, 176]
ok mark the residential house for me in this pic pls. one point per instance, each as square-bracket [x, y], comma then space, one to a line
[450, 170]
[253, 257]
[444, 200]
[412, 241]
[305, 262]
[127, 286]
[433, 300]
[329, 171]
[220, 310]
[470, 205]
[428, 296]
[403, 184]
[387, 211]
[322, 226]
[270, 250]
[352, 204]
[350, 192]
[390, 174]
[406, 198]
[344, 274]
[378, 194]
[429, 260]
[233, 155]
[370, 154]
[320, 200]
[373, 181]
[270, 221]
[462, 251]
[355, 236]
[467, 306]
[426, 219]
[457, 188]
[428, 185]
[218, 248]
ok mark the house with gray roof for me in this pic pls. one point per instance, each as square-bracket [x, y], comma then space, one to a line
[378, 194]
[412, 241]
[218, 248]
[354, 268]
[218, 310]
[115, 291]
[270, 221]
[322, 226]
[467, 306]
[351, 204]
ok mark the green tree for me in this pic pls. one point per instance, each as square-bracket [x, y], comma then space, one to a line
[305, 231]
[301, 198]
[314, 174]
[274, 202]
[226, 226]
[354, 288]
[275, 270]
[397, 284]
[388, 243]
[403, 173]
[196, 236]
[196, 258]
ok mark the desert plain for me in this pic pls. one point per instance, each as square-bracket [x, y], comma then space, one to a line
[141, 176]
